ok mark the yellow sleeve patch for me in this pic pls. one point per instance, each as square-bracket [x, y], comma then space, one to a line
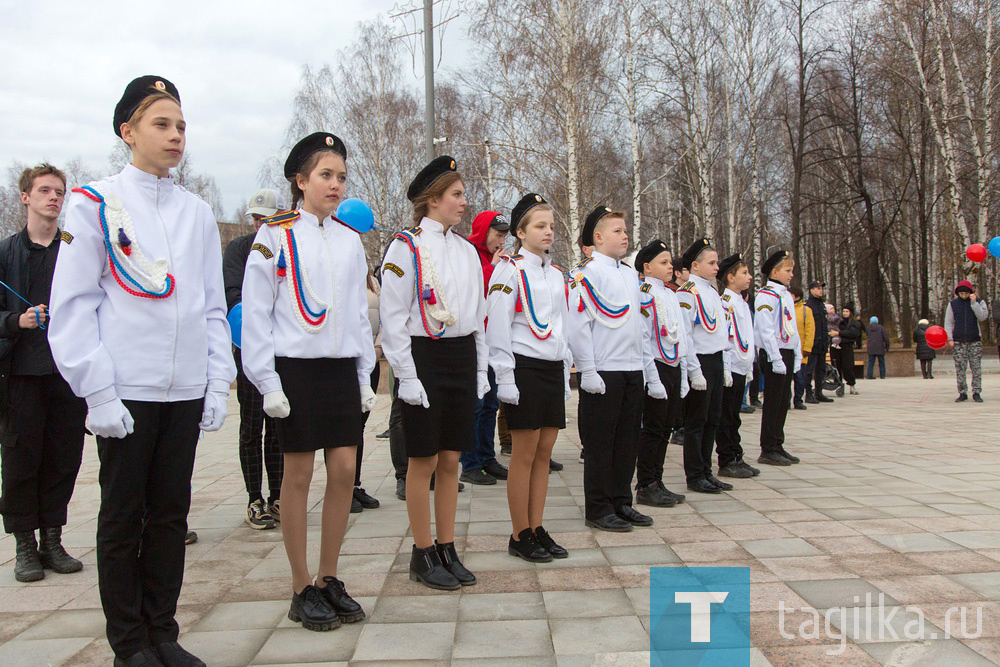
[645, 287]
[66, 237]
[685, 304]
[763, 306]
[506, 289]
[389, 266]
[645, 312]
[262, 249]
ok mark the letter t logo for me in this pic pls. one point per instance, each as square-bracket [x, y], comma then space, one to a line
[701, 611]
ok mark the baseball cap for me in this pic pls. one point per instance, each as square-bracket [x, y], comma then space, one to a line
[816, 283]
[265, 202]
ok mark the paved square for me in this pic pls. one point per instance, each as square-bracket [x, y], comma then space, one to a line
[898, 494]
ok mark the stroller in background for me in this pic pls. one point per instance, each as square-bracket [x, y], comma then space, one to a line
[832, 379]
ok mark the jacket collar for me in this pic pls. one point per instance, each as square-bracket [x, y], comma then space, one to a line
[146, 181]
[531, 259]
[701, 282]
[601, 258]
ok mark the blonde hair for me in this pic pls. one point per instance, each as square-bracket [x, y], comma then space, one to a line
[435, 190]
[147, 102]
[525, 219]
[782, 264]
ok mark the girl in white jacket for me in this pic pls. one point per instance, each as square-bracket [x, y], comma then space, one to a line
[139, 330]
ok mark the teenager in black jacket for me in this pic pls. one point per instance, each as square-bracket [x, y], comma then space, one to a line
[850, 338]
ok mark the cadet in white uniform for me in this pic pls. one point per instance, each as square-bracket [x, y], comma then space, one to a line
[606, 336]
[139, 330]
[734, 277]
[705, 321]
[777, 336]
[668, 344]
[307, 347]
[527, 309]
[433, 310]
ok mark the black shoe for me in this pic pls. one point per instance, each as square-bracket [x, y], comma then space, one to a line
[311, 609]
[635, 518]
[679, 497]
[173, 654]
[703, 486]
[191, 537]
[773, 459]
[753, 471]
[53, 556]
[542, 537]
[793, 459]
[611, 523]
[799, 406]
[401, 489]
[427, 568]
[356, 507]
[580, 459]
[145, 658]
[712, 479]
[384, 435]
[677, 438]
[258, 517]
[368, 502]
[820, 398]
[555, 465]
[494, 468]
[480, 477]
[527, 548]
[27, 567]
[930, 377]
[747, 409]
[505, 448]
[347, 608]
[755, 404]
[449, 558]
[734, 469]
[461, 487]
[811, 400]
[977, 398]
[962, 397]
[654, 496]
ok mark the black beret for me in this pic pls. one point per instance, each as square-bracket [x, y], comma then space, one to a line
[317, 141]
[135, 92]
[691, 254]
[526, 203]
[728, 263]
[591, 222]
[648, 253]
[772, 262]
[434, 170]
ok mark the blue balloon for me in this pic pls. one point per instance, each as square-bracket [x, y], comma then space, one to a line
[994, 246]
[235, 318]
[357, 215]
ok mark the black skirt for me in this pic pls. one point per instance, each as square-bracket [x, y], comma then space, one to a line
[446, 367]
[325, 399]
[542, 387]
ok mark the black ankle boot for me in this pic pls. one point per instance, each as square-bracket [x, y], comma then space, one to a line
[313, 610]
[347, 608]
[426, 567]
[53, 556]
[27, 567]
[527, 548]
[449, 558]
[542, 537]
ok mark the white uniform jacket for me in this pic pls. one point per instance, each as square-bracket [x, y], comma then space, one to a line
[108, 342]
[705, 322]
[329, 273]
[742, 351]
[774, 327]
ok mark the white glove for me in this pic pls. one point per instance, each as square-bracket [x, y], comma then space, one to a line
[656, 390]
[685, 389]
[216, 409]
[110, 419]
[778, 367]
[699, 383]
[367, 398]
[411, 391]
[276, 405]
[483, 384]
[798, 366]
[508, 393]
[567, 394]
[592, 383]
[750, 375]
[727, 378]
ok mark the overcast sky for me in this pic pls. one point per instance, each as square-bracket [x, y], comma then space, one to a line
[64, 65]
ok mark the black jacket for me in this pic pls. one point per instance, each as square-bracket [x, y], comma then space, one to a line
[822, 339]
[850, 334]
[234, 264]
[924, 351]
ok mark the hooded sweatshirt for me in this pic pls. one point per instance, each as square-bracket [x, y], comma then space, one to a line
[480, 230]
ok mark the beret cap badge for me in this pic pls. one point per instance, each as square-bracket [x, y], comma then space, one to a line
[159, 85]
[538, 198]
[329, 141]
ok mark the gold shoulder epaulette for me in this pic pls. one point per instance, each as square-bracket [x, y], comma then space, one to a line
[282, 218]
[584, 262]
[725, 297]
[645, 287]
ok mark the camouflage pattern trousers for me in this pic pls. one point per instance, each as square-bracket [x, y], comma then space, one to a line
[971, 355]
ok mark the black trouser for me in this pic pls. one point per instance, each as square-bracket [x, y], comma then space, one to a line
[847, 364]
[41, 452]
[145, 497]
[754, 395]
[926, 367]
[579, 412]
[253, 423]
[701, 419]
[611, 422]
[727, 440]
[397, 439]
[777, 391]
[658, 418]
[361, 446]
[813, 373]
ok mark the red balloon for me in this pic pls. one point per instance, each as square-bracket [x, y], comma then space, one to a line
[936, 337]
[976, 252]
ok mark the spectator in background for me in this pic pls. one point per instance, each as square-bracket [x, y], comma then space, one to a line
[878, 345]
[850, 338]
[815, 369]
[961, 321]
[833, 324]
[925, 353]
[807, 332]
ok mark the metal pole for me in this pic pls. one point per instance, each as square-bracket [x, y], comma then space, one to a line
[429, 78]
[489, 172]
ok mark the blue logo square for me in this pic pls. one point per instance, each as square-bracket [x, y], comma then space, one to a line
[696, 616]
